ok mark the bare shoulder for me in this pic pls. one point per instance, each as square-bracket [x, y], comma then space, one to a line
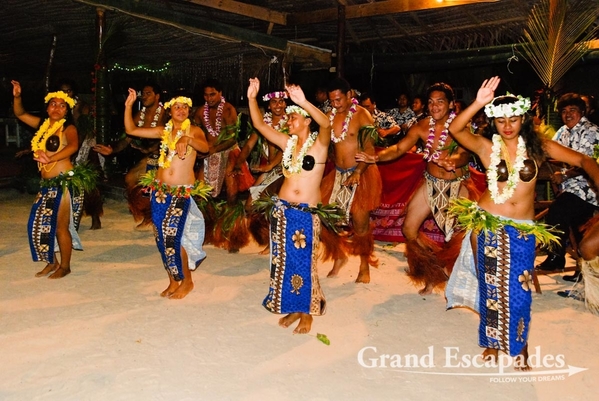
[420, 128]
[71, 129]
[199, 111]
[364, 117]
[196, 131]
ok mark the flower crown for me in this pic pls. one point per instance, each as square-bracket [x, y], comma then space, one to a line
[517, 108]
[61, 95]
[272, 95]
[180, 99]
[297, 110]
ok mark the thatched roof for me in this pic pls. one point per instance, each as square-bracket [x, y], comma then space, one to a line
[240, 37]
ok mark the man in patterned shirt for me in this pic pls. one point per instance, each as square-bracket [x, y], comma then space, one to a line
[577, 201]
[386, 126]
[403, 113]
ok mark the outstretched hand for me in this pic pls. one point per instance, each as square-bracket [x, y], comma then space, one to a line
[16, 88]
[253, 88]
[447, 164]
[486, 93]
[131, 98]
[365, 157]
[296, 94]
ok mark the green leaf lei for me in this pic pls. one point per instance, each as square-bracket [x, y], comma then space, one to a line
[199, 188]
[330, 215]
[471, 217]
[81, 177]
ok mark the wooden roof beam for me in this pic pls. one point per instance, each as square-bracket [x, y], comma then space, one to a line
[192, 24]
[248, 10]
[375, 9]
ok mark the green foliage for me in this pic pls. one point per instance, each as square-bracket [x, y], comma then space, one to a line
[323, 338]
[81, 177]
[472, 217]
[199, 189]
[330, 215]
[366, 133]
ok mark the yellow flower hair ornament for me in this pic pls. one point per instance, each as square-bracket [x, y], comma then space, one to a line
[180, 99]
[61, 95]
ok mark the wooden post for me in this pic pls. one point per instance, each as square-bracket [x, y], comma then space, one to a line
[340, 70]
[102, 108]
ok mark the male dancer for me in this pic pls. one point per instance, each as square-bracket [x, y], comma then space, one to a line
[446, 170]
[150, 115]
[353, 184]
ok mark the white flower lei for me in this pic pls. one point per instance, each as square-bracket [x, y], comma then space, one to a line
[142, 116]
[289, 165]
[268, 121]
[431, 137]
[346, 122]
[219, 120]
[514, 172]
[167, 146]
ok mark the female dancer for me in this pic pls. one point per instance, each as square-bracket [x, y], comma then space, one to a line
[56, 213]
[504, 234]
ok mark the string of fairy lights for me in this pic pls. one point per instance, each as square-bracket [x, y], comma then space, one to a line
[137, 68]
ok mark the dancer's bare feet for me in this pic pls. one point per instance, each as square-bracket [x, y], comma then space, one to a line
[490, 355]
[288, 320]
[96, 223]
[50, 267]
[304, 325]
[364, 273]
[60, 272]
[172, 287]
[521, 362]
[339, 263]
[184, 288]
[426, 290]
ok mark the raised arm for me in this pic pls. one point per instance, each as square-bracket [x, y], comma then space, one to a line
[269, 132]
[297, 95]
[18, 108]
[131, 128]
[459, 127]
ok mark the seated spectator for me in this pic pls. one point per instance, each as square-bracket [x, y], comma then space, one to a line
[388, 130]
[403, 113]
[577, 201]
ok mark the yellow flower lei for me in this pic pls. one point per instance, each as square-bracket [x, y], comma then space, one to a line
[60, 95]
[39, 139]
[180, 99]
[167, 146]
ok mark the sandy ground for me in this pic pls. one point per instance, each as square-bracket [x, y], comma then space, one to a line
[104, 333]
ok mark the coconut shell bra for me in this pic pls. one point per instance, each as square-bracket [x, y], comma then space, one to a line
[527, 173]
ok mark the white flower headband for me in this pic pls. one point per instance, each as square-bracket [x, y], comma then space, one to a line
[517, 108]
[297, 110]
[180, 99]
[272, 95]
[61, 95]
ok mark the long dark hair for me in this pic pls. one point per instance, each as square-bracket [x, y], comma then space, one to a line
[534, 143]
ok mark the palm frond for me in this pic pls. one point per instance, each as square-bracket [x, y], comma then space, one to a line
[557, 36]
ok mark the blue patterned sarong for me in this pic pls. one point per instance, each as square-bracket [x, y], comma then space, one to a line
[505, 261]
[177, 222]
[294, 284]
[43, 220]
